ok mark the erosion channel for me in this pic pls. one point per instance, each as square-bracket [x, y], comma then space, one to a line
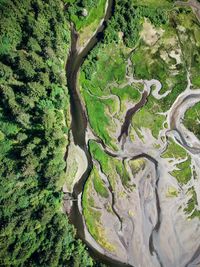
[79, 126]
[143, 239]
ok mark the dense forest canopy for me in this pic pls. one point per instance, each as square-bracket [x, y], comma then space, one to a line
[35, 119]
[34, 109]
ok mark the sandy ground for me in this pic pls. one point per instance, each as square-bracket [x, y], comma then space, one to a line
[155, 230]
[147, 226]
[149, 34]
[76, 165]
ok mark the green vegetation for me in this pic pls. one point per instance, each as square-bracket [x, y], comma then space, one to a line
[127, 94]
[104, 160]
[72, 167]
[164, 62]
[150, 64]
[184, 173]
[34, 114]
[172, 192]
[98, 109]
[128, 18]
[34, 37]
[99, 185]
[192, 118]
[96, 63]
[147, 118]
[190, 42]
[191, 209]
[154, 3]
[174, 151]
[86, 16]
[94, 11]
[137, 165]
[110, 166]
[91, 215]
[96, 87]
[92, 218]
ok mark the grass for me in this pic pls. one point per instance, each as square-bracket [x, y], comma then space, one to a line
[97, 83]
[196, 79]
[192, 118]
[184, 174]
[149, 65]
[95, 14]
[99, 184]
[104, 160]
[93, 217]
[98, 117]
[172, 192]
[174, 151]
[195, 63]
[190, 41]
[70, 174]
[191, 205]
[88, 25]
[147, 118]
[127, 93]
[110, 166]
[153, 3]
[123, 174]
[137, 165]
[149, 62]
[108, 65]
[141, 60]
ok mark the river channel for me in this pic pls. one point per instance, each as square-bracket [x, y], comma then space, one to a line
[79, 123]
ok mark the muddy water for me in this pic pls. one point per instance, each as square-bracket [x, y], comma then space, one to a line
[79, 126]
[130, 113]
[157, 240]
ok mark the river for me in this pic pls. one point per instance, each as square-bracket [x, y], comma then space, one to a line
[79, 125]
[149, 230]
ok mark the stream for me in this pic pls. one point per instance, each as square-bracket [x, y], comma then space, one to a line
[79, 126]
[150, 230]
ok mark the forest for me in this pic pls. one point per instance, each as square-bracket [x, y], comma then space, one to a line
[34, 115]
[35, 118]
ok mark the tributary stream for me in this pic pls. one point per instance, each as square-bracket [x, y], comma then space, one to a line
[79, 126]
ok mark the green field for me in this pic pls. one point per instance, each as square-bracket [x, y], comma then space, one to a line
[192, 118]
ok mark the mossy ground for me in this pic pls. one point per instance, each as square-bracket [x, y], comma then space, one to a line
[104, 88]
[192, 120]
[91, 213]
[183, 170]
[112, 167]
[94, 15]
[97, 86]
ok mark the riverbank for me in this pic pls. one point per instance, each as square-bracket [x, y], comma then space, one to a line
[144, 198]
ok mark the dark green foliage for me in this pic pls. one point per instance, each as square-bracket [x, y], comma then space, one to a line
[128, 19]
[191, 120]
[34, 38]
[76, 7]
[90, 63]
